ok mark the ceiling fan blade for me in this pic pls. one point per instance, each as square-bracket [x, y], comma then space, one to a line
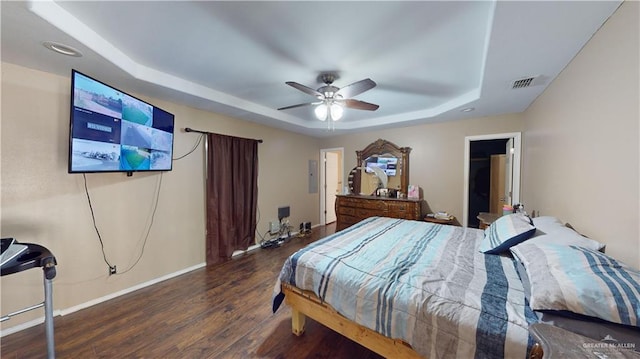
[356, 88]
[305, 89]
[360, 105]
[299, 105]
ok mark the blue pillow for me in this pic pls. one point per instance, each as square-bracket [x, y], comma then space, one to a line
[505, 232]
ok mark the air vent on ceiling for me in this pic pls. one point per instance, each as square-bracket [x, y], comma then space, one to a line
[522, 83]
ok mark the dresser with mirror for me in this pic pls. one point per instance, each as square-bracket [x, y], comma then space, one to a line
[378, 186]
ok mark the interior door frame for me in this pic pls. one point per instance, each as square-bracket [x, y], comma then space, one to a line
[517, 154]
[323, 183]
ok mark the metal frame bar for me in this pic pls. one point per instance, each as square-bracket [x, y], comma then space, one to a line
[188, 129]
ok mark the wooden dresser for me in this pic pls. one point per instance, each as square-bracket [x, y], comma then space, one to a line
[351, 209]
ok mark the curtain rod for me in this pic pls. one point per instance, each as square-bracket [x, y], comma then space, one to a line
[187, 129]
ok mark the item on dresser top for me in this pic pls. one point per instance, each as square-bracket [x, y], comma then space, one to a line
[382, 192]
[413, 192]
[439, 215]
[431, 217]
[442, 215]
[507, 209]
[519, 208]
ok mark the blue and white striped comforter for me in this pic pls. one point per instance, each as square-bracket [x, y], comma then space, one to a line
[424, 283]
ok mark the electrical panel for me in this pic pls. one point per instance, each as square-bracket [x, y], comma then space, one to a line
[313, 176]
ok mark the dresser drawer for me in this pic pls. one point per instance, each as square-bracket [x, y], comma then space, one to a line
[400, 207]
[346, 210]
[374, 204]
[406, 210]
[353, 209]
[349, 201]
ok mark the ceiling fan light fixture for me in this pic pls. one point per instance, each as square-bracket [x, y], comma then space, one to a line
[336, 111]
[333, 100]
[321, 112]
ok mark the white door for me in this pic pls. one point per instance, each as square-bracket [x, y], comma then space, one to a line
[508, 173]
[331, 185]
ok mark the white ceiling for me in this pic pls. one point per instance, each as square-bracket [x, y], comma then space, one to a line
[429, 59]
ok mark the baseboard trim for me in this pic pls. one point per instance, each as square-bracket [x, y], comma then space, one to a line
[241, 252]
[23, 326]
[60, 312]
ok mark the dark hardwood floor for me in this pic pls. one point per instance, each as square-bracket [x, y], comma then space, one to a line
[222, 311]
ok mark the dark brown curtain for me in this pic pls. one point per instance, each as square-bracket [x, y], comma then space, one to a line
[232, 195]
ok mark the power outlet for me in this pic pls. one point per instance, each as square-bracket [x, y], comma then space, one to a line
[112, 270]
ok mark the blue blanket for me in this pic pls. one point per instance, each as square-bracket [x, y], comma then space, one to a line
[423, 283]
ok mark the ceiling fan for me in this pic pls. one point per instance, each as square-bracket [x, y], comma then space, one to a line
[332, 100]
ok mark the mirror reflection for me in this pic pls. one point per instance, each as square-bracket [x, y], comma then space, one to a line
[382, 170]
[379, 172]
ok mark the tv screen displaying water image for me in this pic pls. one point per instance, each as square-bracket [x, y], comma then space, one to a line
[112, 131]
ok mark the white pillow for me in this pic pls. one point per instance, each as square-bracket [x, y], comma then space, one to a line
[566, 236]
[561, 234]
[547, 224]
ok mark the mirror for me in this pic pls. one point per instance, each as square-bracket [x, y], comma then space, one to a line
[378, 160]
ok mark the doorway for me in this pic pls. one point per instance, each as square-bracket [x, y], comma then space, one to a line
[331, 174]
[492, 174]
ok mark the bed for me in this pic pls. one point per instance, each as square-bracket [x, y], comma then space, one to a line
[427, 293]
[411, 289]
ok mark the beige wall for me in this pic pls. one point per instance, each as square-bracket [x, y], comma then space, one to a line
[42, 203]
[436, 161]
[581, 140]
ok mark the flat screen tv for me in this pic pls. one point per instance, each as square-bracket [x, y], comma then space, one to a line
[112, 131]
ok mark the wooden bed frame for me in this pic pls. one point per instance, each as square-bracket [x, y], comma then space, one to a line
[306, 304]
